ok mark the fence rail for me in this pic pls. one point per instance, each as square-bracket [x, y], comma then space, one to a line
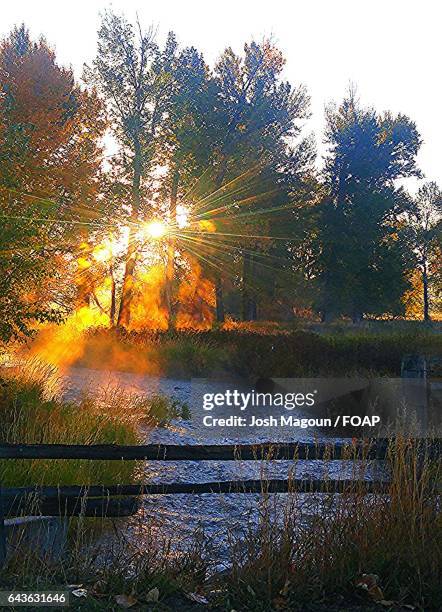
[356, 449]
[370, 449]
[124, 500]
[272, 485]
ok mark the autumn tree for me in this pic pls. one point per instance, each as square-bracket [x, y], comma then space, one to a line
[128, 74]
[424, 232]
[50, 130]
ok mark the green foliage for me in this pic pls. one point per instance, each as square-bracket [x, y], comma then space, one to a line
[126, 73]
[363, 257]
[29, 415]
[303, 354]
[261, 119]
[191, 354]
[161, 409]
[275, 352]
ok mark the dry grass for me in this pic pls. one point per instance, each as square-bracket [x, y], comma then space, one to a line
[289, 563]
[289, 560]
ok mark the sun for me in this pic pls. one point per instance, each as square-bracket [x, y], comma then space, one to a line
[154, 229]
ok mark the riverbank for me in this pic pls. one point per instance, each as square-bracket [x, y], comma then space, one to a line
[32, 411]
[284, 553]
[250, 353]
[343, 552]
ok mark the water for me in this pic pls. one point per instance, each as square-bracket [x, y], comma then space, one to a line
[181, 515]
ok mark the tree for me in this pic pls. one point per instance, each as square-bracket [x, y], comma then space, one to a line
[128, 74]
[187, 138]
[424, 224]
[261, 118]
[50, 158]
[362, 254]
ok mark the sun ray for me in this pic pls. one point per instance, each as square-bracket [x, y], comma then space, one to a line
[237, 203]
[258, 236]
[233, 274]
[223, 188]
[255, 253]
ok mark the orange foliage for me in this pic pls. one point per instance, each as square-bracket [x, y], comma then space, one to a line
[47, 123]
[413, 298]
[147, 310]
[258, 327]
[196, 297]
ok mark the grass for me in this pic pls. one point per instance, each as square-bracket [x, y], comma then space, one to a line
[394, 539]
[32, 413]
[248, 352]
[353, 552]
[123, 571]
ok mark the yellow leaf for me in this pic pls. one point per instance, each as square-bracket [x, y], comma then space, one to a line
[125, 601]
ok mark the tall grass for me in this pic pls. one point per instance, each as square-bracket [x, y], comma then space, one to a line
[247, 351]
[113, 569]
[31, 412]
[351, 552]
[364, 548]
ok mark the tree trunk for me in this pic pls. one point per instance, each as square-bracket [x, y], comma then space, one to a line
[171, 244]
[219, 296]
[131, 255]
[327, 316]
[425, 287]
[249, 308]
[356, 317]
[219, 308]
[113, 306]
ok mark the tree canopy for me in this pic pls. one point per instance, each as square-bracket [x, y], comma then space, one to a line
[213, 202]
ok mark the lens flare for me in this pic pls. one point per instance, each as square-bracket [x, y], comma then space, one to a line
[104, 251]
[154, 230]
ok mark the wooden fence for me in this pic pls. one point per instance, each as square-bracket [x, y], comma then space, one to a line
[124, 500]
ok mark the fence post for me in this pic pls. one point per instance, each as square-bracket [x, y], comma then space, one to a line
[2, 531]
[415, 366]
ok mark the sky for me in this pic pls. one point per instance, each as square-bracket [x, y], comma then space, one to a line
[390, 49]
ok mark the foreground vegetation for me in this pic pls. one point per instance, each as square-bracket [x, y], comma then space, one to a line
[31, 413]
[332, 552]
[340, 552]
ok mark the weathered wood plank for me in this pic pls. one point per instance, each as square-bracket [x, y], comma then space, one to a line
[214, 452]
[71, 506]
[305, 485]
[73, 500]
